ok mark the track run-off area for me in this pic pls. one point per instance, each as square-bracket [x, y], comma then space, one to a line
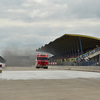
[17, 73]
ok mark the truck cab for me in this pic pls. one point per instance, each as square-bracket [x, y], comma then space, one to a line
[42, 61]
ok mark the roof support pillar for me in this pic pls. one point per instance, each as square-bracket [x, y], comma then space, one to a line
[75, 48]
[78, 48]
[72, 49]
[67, 49]
[81, 46]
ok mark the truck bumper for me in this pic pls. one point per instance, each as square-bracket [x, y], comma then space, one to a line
[41, 66]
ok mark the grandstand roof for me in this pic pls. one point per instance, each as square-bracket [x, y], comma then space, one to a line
[70, 42]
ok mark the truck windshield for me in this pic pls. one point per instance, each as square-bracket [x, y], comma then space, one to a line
[43, 58]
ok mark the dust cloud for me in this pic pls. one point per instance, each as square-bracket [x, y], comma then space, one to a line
[19, 57]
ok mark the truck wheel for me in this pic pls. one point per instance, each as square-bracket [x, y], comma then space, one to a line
[45, 67]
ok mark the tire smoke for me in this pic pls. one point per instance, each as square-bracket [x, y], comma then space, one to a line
[19, 57]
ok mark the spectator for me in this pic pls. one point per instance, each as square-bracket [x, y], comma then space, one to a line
[97, 64]
[86, 59]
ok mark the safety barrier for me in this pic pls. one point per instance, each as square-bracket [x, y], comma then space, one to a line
[53, 63]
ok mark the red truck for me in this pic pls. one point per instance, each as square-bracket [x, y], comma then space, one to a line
[42, 61]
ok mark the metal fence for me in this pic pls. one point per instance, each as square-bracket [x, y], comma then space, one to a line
[87, 63]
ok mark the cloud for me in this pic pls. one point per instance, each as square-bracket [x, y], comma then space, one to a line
[28, 23]
[40, 1]
[51, 23]
[38, 13]
[17, 10]
[26, 5]
[84, 9]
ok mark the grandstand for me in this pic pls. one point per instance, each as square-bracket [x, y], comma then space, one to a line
[73, 48]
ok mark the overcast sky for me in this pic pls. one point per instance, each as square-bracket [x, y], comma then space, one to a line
[34, 23]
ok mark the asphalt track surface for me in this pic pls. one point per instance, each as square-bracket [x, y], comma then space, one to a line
[49, 84]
